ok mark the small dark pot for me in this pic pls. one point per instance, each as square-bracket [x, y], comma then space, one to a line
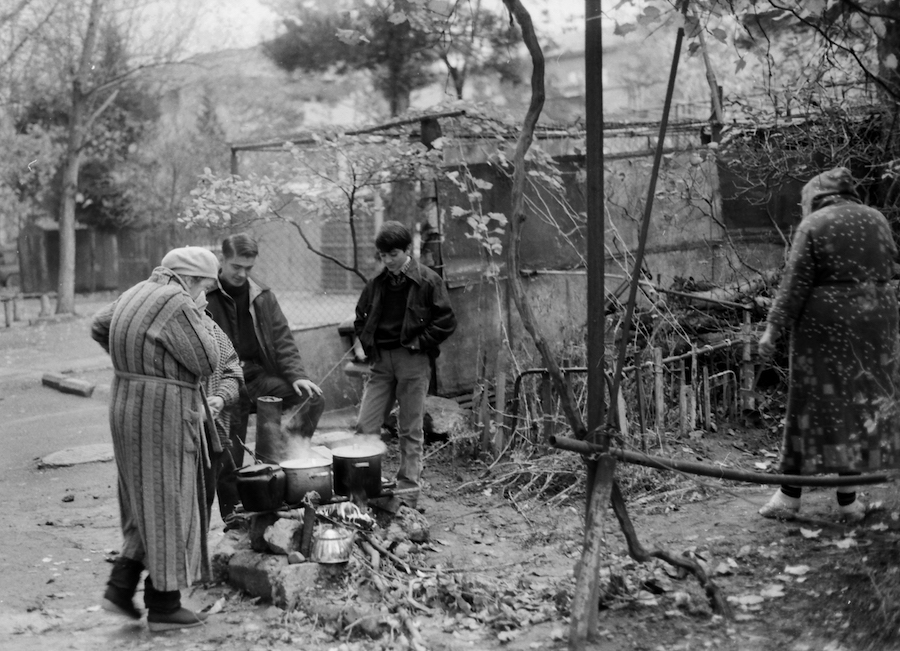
[261, 487]
[357, 469]
[305, 475]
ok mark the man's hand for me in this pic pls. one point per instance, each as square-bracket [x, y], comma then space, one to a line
[306, 387]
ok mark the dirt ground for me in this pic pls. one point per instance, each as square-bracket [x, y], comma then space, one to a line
[497, 573]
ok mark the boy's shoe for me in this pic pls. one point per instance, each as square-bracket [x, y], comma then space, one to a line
[780, 506]
[855, 511]
[181, 618]
[118, 601]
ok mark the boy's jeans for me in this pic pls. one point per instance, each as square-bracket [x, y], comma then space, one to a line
[403, 375]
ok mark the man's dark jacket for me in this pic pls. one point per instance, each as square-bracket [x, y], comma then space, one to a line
[277, 348]
[428, 319]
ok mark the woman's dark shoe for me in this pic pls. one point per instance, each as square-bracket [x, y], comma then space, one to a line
[182, 618]
[120, 589]
[118, 601]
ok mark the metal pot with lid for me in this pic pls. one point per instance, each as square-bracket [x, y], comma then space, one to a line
[305, 474]
[357, 468]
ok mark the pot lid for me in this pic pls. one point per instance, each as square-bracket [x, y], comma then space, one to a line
[357, 450]
[305, 462]
[257, 469]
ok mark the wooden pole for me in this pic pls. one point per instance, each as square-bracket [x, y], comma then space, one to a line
[682, 399]
[659, 390]
[707, 407]
[547, 405]
[584, 600]
[747, 371]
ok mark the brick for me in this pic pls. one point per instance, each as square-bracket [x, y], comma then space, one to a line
[53, 380]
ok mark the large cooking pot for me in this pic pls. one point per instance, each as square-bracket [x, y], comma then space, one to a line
[357, 468]
[305, 474]
[261, 487]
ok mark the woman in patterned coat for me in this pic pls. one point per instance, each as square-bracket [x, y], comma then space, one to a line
[223, 389]
[161, 351]
[836, 300]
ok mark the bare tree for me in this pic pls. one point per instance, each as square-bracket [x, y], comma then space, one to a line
[73, 58]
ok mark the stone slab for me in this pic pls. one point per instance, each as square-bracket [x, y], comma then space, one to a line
[98, 452]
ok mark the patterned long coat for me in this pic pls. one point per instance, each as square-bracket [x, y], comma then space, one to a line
[160, 350]
[226, 381]
[837, 300]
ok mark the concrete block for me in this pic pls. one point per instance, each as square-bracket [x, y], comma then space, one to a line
[66, 384]
[257, 574]
[53, 380]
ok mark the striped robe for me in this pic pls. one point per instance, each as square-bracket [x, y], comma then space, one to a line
[154, 330]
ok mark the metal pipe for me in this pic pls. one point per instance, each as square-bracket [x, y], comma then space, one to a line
[709, 470]
[648, 208]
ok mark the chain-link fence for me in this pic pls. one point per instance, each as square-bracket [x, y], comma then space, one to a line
[311, 287]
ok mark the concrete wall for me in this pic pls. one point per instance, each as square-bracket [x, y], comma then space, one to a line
[322, 350]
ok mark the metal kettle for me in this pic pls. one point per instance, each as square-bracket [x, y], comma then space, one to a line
[261, 487]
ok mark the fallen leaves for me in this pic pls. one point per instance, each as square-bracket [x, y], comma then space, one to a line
[796, 570]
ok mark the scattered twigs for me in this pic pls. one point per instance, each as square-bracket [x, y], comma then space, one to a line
[373, 554]
[530, 478]
[415, 637]
[387, 553]
[638, 553]
[521, 512]
[348, 630]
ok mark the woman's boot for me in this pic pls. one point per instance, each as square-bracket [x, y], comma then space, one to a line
[164, 611]
[120, 589]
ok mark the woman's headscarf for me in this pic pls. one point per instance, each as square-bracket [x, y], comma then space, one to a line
[836, 181]
[192, 261]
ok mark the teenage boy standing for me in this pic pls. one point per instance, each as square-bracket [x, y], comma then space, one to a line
[402, 316]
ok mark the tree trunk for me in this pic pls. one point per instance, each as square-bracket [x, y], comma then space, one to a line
[75, 142]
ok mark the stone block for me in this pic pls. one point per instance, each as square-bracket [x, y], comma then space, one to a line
[283, 536]
[295, 585]
[258, 525]
[444, 418]
[222, 554]
[257, 574]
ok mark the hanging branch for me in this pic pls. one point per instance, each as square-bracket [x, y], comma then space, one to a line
[526, 137]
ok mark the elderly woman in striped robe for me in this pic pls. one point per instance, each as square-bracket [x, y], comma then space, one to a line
[161, 352]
